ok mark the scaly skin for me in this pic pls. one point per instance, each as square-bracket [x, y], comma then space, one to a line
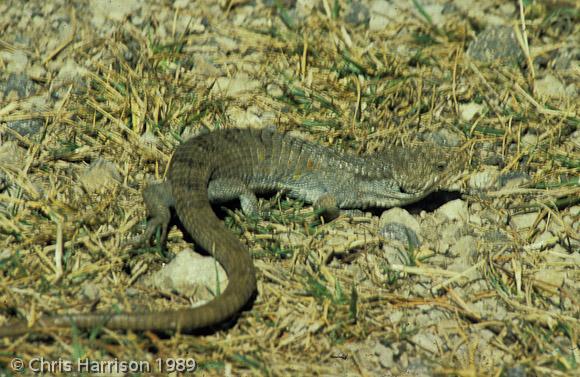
[230, 164]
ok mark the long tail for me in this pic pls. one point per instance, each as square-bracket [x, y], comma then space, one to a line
[189, 189]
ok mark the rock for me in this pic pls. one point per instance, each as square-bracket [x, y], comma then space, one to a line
[252, 117]
[545, 238]
[519, 370]
[304, 8]
[523, 221]
[70, 72]
[558, 254]
[12, 155]
[571, 90]
[26, 127]
[232, 87]
[476, 207]
[529, 140]
[401, 216]
[227, 45]
[495, 235]
[465, 247]
[403, 361]
[101, 174]
[401, 233]
[385, 355]
[435, 12]
[436, 316]
[395, 255]
[396, 316]
[480, 353]
[507, 9]
[550, 276]
[399, 225]
[16, 61]
[485, 180]
[445, 138]
[18, 86]
[182, 4]
[426, 341]
[205, 66]
[550, 86]
[471, 109]
[466, 257]
[242, 118]
[455, 210]
[358, 13]
[513, 179]
[381, 12]
[496, 43]
[115, 10]
[474, 214]
[447, 233]
[90, 292]
[274, 90]
[190, 274]
[37, 72]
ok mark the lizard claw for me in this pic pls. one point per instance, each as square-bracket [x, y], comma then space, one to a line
[146, 239]
[158, 200]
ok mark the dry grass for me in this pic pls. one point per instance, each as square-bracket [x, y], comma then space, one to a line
[314, 314]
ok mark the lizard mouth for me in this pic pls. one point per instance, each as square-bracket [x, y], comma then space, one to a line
[416, 190]
[404, 190]
[407, 191]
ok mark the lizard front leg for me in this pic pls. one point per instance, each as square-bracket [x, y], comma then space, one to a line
[224, 189]
[326, 205]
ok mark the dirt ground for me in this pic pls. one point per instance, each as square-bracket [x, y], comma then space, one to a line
[480, 280]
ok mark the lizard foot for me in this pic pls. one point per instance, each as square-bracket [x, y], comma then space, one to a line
[146, 239]
[326, 206]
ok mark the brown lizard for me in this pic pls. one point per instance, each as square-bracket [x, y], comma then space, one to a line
[231, 164]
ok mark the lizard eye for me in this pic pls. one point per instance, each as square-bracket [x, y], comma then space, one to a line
[440, 166]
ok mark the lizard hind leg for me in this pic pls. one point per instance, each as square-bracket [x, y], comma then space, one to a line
[225, 189]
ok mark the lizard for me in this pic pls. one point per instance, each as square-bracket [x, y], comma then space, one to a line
[233, 164]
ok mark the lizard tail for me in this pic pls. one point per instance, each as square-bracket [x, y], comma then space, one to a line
[212, 236]
[189, 189]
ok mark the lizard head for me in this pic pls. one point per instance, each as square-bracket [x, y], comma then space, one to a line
[417, 171]
[398, 176]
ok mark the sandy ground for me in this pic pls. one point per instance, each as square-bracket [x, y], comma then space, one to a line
[483, 280]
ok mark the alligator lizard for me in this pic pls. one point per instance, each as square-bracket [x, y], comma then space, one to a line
[231, 164]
